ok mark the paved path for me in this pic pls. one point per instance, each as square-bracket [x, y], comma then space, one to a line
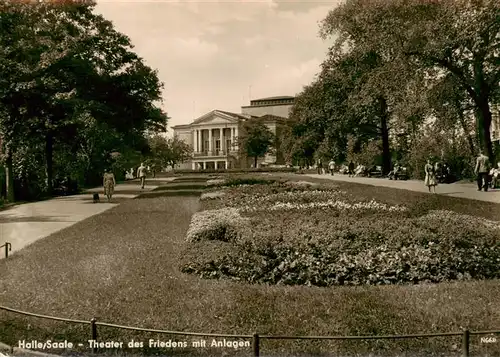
[24, 224]
[464, 190]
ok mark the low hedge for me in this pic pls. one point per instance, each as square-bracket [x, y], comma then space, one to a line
[236, 170]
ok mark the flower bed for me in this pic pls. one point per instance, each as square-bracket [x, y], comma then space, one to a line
[323, 236]
[212, 195]
[221, 224]
[215, 182]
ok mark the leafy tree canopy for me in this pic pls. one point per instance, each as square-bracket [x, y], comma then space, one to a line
[256, 139]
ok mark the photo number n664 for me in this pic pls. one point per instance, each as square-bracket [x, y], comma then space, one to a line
[489, 339]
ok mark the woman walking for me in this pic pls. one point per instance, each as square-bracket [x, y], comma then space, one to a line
[109, 184]
[430, 176]
[141, 173]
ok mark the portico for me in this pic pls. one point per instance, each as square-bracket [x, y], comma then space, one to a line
[214, 140]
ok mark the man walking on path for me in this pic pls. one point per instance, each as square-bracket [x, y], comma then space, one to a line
[331, 167]
[482, 170]
[141, 173]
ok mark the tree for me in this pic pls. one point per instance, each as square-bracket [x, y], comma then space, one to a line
[167, 152]
[256, 139]
[450, 103]
[379, 79]
[459, 37]
[58, 61]
[345, 99]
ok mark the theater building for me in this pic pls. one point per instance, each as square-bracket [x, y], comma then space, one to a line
[213, 136]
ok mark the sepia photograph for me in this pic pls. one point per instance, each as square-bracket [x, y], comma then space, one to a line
[250, 178]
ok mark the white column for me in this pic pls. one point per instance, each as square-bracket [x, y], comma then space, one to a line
[204, 165]
[195, 141]
[194, 165]
[225, 165]
[209, 139]
[233, 139]
[200, 139]
[220, 139]
[236, 137]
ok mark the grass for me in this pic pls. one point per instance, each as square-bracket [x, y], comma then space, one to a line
[122, 267]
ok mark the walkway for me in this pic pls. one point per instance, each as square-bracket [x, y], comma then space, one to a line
[464, 190]
[24, 224]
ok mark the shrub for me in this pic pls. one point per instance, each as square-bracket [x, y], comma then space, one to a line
[236, 181]
[218, 224]
[212, 195]
[236, 170]
[215, 182]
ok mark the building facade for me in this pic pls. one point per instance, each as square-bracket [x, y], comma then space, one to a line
[278, 106]
[214, 136]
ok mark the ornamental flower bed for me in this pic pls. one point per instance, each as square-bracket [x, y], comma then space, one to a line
[221, 224]
[216, 182]
[325, 237]
[330, 204]
[212, 195]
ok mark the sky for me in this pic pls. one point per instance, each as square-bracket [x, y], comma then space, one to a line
[220, 54]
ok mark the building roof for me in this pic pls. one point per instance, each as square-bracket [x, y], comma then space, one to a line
[181, 126]
[270, 117]
[239, 116]
[273, 98]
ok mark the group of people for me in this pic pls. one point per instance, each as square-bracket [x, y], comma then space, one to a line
[482, 170]
[109, 181]
[331, 167]
[487, 177]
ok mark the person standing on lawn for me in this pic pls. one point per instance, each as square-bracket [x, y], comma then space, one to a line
[331, 166]
[482, 170]
[109, 184]
[141, 173]
[320, 167]
[430, 176]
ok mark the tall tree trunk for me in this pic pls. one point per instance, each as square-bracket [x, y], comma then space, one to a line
[9, 174]
[483, 113]
[255, 162]
[384, 131]
[483, 119]
[49, 161]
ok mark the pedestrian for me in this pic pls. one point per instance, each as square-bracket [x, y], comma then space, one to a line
[482, 170]
[141, 173]
[495, 176]
[351, 168]
[331, 166]
[320, 167]
[109, 184]
[430, 176]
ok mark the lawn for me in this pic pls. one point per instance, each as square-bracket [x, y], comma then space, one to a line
[126, 266]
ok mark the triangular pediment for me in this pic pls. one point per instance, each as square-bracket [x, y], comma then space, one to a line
[216, 117]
